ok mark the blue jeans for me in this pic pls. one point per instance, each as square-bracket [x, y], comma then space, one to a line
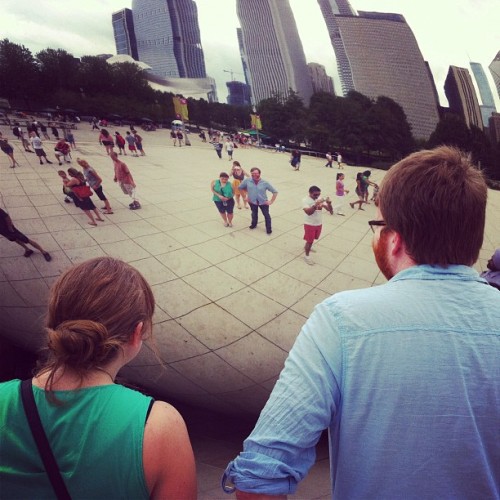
[265, 212]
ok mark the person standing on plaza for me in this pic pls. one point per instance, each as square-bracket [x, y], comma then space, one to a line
[173, 136]
[404, 375]
[256, 189]
[180, 137]
[329, 160]
[82, 196]
[24, 140]
[9, 151]
[95, 182]
[229, 145]
[43, 129]
[9, 231]
[238, 175]
[131, 143]
[340, 192]
[125, 181]
[138, 143]
[37, 144]
[223, 197]
[218, 146]
[295, 159]
[339, 161]
[313, 206]
[359, 191]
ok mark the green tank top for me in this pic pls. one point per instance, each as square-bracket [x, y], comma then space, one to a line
[96, 436]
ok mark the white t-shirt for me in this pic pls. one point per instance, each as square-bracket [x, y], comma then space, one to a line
[316, 218]
[36, 142]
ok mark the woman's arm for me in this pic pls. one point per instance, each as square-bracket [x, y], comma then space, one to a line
[168, 460]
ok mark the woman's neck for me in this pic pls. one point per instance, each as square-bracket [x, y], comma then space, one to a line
[66, 379]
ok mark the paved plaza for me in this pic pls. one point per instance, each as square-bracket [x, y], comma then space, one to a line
[230, 300]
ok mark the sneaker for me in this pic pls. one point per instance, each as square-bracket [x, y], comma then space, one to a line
[252, 227]
[230, 224]
[269, 231]
[308, 260]
[340, 213]
[131, 204]
[47, 256]
[67, 200]
[28, 253]
[48, 161]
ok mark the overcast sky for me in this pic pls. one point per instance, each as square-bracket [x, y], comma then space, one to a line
[449, 32]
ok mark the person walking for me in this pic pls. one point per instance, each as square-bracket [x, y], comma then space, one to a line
[9, 151]
[131, 143]
[138, 143]
[404, 375]
[100, 313]
[223, 198]
[359, 191]
[256, 189]
[125, 180]
[95, 182]
[329, 160]
[218, 146]
[9, 231]
[120, 143]
[313, 206]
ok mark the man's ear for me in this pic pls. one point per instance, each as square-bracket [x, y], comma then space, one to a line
[396, 244]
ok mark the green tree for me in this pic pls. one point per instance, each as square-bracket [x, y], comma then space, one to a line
[58, 70]
[452, 131]
[19, 72]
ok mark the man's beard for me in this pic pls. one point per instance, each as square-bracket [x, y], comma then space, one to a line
[381, 254]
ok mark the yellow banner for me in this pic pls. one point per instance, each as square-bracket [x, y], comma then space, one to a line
[181, 108]
[256, 123]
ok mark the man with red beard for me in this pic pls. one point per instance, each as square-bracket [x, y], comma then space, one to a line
[406, 375]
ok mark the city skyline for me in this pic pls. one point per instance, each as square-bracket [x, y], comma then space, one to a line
[456, 33]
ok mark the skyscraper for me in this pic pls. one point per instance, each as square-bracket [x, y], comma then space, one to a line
[495, 71]
[238, 93]
[382, 58]
[123, 29]
[462, 97]
[168, 37]
[272, 49]
[321, 82]
[488, 104]
[330, 9]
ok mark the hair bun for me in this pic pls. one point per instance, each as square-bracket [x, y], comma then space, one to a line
[81, 344]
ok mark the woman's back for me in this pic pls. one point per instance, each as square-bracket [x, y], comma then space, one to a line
[96, 435]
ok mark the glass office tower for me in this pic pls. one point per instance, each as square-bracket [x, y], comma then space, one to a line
[168, 37]
[123, 29]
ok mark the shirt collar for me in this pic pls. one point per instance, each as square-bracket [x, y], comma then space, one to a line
[428, 272]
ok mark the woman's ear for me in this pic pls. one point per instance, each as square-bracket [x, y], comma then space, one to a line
[136, 338]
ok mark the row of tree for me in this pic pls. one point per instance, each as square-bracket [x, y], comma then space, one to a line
[355, 124]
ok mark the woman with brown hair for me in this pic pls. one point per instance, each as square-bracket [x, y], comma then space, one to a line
[108, 441]
[82, 196]
[95, 182]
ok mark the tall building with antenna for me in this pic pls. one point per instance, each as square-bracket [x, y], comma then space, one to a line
[272, 50]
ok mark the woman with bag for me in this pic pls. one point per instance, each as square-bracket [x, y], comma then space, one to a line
[223, 198]
[95, 182]
[82, 194]
[106, 441]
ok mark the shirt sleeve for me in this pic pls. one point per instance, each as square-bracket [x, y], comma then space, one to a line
[281, 449]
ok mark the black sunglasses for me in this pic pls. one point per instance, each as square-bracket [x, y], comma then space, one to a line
[372, 223]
